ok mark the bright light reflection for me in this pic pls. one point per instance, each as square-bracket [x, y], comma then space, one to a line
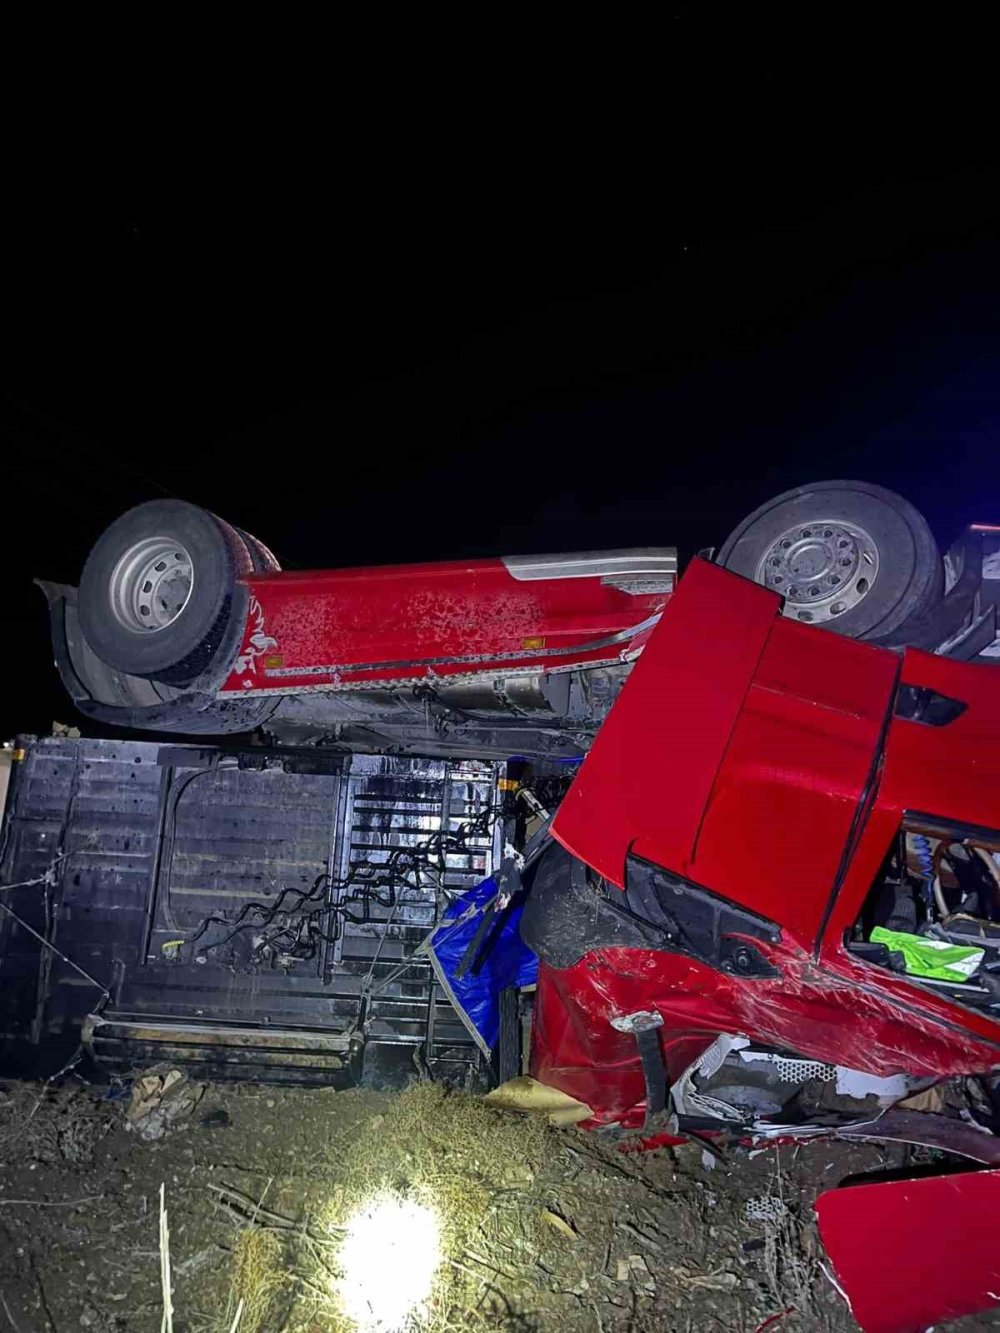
[388, 1258]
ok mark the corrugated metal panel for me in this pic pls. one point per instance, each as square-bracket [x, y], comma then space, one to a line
[150, 841]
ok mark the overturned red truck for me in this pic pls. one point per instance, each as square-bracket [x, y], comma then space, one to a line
[771, 906]
[748, 821]
[184, 623]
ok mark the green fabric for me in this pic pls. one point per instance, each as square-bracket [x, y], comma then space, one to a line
[930, 958]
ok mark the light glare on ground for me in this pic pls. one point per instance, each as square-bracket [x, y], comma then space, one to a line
[388, 1258]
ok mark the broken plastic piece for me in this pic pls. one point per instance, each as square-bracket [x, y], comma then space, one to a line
[930, 958]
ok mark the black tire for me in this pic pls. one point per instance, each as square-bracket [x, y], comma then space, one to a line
[896, 542]
[180, 650]
[262, 558]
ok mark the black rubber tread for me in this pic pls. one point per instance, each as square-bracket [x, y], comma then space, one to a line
[179, 653]
[910, 580]
[263, 559]
[508, 1051]
[198, 661]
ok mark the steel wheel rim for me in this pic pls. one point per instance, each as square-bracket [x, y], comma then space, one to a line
[823, 569]
[151, 584]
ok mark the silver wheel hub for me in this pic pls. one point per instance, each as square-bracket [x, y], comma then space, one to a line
[151, 584]
[821, 569]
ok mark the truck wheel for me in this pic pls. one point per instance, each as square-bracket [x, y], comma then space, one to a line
[156, 592]
[846, 555]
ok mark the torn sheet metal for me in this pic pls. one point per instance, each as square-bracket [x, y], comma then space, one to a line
[912, 1253]
[920, 1129]
[730, 1059]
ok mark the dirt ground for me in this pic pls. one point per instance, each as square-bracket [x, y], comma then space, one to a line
[544, 1229]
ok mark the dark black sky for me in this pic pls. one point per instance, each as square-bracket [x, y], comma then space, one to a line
[440, 320]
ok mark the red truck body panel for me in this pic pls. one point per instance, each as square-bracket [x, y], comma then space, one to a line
[874, 1234]
[834, 1017]
[651, 768]
[358, 628]
[736, 757]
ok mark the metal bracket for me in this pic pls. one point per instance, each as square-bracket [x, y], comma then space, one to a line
[643, 1025]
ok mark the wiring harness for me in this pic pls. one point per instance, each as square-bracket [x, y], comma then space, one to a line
[296, 922]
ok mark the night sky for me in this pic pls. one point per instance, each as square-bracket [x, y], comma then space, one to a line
[432, 331]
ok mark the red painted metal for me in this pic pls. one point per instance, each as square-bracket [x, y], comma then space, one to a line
[651, 768]
[353, 628]
[737, 755]
[794, 771]
[771, 772]
[911, 1253]
[810, 1010]
[950, 773]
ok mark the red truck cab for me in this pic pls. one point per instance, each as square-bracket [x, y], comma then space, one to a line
[757, 866]
[758, 812]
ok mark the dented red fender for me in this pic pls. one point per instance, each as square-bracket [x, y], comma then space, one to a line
[911, 1253]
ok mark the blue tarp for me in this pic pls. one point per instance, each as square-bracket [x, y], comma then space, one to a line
[508, 962]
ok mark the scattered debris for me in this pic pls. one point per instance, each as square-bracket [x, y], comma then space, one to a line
[932, 1099]
[541, 1228]
[558, 1223]
[767, 1209]
[159, 1099]
[776, 1318]
[633, 1269]
[66, 731]
[526, 1094]
[721, 1281]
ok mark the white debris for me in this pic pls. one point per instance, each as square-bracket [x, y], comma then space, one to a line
[767, 1210]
